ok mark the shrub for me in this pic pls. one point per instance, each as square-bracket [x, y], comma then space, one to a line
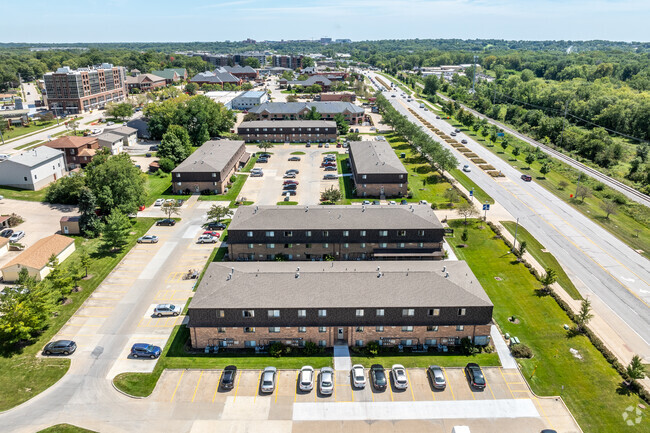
[467, 347]
[372, 348]
[276, 349]
[233, 178]
[312, 348]
[521, 351]
[599, 187]
[166, 165]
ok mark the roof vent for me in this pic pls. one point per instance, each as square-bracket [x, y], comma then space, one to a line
[306, 208]
[379, 274]
[297, 274]
[378, 268]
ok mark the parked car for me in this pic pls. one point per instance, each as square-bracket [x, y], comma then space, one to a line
[308, 145]
[290, 182]
[148, 239]
[327, 145]
[166, 222]
[475, 375]
[294, 158]
[330, 168]
[159, 202]
[6, 233]
[320, 144]
[403, 202]
[526, 178]
[215, 226]
[378, 377]
[144, 350]
[328, 164]
[392, 202]
[262, 160]
[366, 202]
[376, 202]
[467, 168]
[400, 380]
[265, 155]
[453, 134]
[437, 117]
[258, 173]
[326, 381]
[358, 374]
[291, 192]
[306, 378]
[180, 202]
[437, 377]
[293, 170]
[289, 176]
[211, 233]
[456, 130]
[153, 148]
[16, 236]
[424, 202]
[290, 187]
[228, 377]
[60, 347]
[207, 239]
[110, 123]
[330, 176]
[267, 384]
[167, 310]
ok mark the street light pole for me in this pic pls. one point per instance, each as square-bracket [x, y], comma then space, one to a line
[514, 244]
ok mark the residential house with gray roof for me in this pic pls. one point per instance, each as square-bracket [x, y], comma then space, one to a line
[376, 170]
[298, 110]
[216, 77]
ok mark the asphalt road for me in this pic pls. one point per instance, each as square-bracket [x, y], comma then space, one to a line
[598, 263]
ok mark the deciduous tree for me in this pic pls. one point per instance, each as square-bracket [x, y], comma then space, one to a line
[117, 184]
[116, 230]
[175, 144]
[218, 212]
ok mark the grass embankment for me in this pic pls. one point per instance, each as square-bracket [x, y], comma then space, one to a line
[31, 143]
[480, 195]
[423, 360]
[174, 356]
[22, 374]
[19, 131]
[544, 258]
[298, 153]
[66, 428]
[590, 387]
[22, 194]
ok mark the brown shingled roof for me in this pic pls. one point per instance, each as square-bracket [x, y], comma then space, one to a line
[38, 255]
[69, 141]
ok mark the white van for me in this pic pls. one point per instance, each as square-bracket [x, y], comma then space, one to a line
[3, 156]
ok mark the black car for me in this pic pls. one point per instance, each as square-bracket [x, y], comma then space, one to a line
[262, 160]
[153, 148]
[290, 187]
[403, 202]
[265, 155]
[376, 202]
[6, 233]
[378, 376]
[475, 375]
[64, 347]
[308, 145]
[228, 377]
[166, 222]
[320, 144]
[215, 226]
[330, 168]
[293, 170]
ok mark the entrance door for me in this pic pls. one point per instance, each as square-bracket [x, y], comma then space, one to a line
[340, 335]
[66, 230]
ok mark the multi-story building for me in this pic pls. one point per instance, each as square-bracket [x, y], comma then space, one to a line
[249, 99]
[145, 82]
[291, 131]
[76, 91]
[324, 82]
[398, 232]
[78, 151]
[412, 304]
[285, 61]
[376, 170]
[353, 114]
[33, 169]
[210, 167]
[243, 72]
[216, 77]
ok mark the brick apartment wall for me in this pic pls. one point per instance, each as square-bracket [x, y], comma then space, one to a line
[374, 189]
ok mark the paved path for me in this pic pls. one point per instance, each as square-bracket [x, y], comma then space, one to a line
[505, 357]
[342, 359]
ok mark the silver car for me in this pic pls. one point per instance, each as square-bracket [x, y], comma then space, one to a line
[306, 378]
[437, 377]
[16, 236]
[358, 376]
[326, 381]
[399, 376]
[267, 383]
[166, 310]
[148, 239]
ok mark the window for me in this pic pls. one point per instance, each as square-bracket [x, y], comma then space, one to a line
[322, 343]
[379, 329]
[401, 233]
[430, 341]
[274, 313]
[249, 234]
[421, 244]
[326, 245]
[307, 245]
[250, 343]
[308, 233]
[363, 176]
[250, 246]
[407, 329]
[270, 246]
[302, 313]
[359, 313]
[346, 245]
[363, 244]
[178, 175]
[220, 313]
[358, 343]
[401, 176]
[288, 245]
[249, 330]
[383, 233]
[408, 312]
[362, 233]
[383, 245]
[270, 234]
[359, 329]
[380, 312]
[214, 174]
[322, 329]
[302, 329]
[220, 329]
[420, 232]
[274, 330]
[432, 329]
[346, 233]
[322, 313]
[248, 313]
[434, 311]
[459, 327]
[325, 233]
[461, 311]
[401, 245]
[288, 234]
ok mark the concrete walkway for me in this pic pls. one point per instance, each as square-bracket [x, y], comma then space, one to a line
[342, 359]
[506, 358]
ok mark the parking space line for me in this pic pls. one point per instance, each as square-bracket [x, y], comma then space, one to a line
[259, 387]
[543, 412]
[489, 387]
[197, 386]
[217, 387]
[390, 388]
[506, 382]
[277, 387]
[411, 385]
[177, 385]
[237, 388]
[79, 315]
[449, 384]
[295, 388]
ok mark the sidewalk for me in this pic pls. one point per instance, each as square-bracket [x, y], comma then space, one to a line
[342, 359]
[506, 358]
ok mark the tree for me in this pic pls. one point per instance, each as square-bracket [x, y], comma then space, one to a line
[431, 85]
[72, 125]
[515, 151]
[545, 169]
[307, 62]
[341, 124]
[265, 145]
[25, 309]
[89, 223]
[353, 136]
[522, 248]
[117, 184]
[61, 279]
[562, 184]
[116, 230]
[252, 62]
[292, 98]
[548, 279]
[287, 75]
[609, 207]
[331, 194]
[583, 192]
[170, 208]
[466, 210]
[66, 190]
[191, 88]
[452, 196]
[175, 144]
[122, 110]
[635, 369]
[464, 236]
[530, 158]
[84, 260]
[203, 118]
[312, 114]
[584, 315]
[217, 212]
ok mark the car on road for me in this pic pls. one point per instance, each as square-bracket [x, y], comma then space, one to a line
[167, 310]
[467, 168]
[148, 239]
[289, 176]
[306, 378]
[453, 134]
[294, 158]
[6, 233]
[403, 202]
[144, 350]
[60, 347]
[376, 202]
[291, 192]
[330, 176]
[262, 160]
[330, 168]
[207, 239]
[526, 178]
[290, 182]
[326, 381]
[392, 202]
[166, 222]
[463, 141]
[16, 236]
[215, 226]
[358, 374]
[228, 377]
[267, 383]
[211, 233]
[293, 170]
[475, 375]
[437, 377]
[392, 96]
[378, 377]
[400, 380]
[437, 117]
[159, 202]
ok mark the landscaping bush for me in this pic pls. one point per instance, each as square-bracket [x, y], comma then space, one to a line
[276, 349]
[468, 348]
[521, 351]
[312, 348]
[166, 165]
[372, 348]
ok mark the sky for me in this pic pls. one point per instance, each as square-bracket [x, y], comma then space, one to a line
[60, 21]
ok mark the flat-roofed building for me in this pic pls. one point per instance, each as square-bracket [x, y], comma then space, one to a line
[376, 170]
[292, 131]
[412, 304]
[33, 169]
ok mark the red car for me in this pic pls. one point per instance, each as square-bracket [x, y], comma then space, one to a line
[214, 234]
[526, 178]
[291, 182]
[328, 164]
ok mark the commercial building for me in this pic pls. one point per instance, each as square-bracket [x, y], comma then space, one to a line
[216, 77]
[77, 91]
[78, 151]
[244, 72]
[353, 114]
[329, 97]
[285, 61]
[145, 82]
[36, 259]
[249, 99]
[292, 131]
[401, 232]
[171, 75]
[210, 167]
[33, 169]
[408, 304]
[233, 59]
[376, 170]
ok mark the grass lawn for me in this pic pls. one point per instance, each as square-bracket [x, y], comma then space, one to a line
[22, 194]
[235, 188]
[547, 260]
[346, 184]
[423, 360]
[299, 152]
[287, 203]
[22, 375]
[174, 356]
[27, 145]
[469, 184]
[591, 385]
[65, 428]
[18, 131]
[157, 186]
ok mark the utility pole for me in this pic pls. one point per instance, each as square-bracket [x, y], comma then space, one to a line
[566, 108]
[474, 78]
[514, 244]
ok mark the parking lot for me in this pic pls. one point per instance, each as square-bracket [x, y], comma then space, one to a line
[267, 190]
[502, 405]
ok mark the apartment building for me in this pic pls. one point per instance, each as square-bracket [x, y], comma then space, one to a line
[78, 151]
[353, 114]
[324, 82]
[77, 91]
[291, 131]
[216, 77]
[376, 170]
[400, 232]
[396, 303]
[244, 72]
[287, 61]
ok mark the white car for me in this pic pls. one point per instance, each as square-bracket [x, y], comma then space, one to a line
[159, 202]
[16, 236]
[399, 376]
[358, 376]
[467, 168]
[392, 202]
[267, 383]
[207, 239]
[326, 381]
[167, 310]
[306, 378]
[424, 202]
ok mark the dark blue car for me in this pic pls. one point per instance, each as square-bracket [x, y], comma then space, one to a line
[145, 350]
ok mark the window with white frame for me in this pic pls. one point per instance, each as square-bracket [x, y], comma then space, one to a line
[274, 313]
[248, 313]
[322, 313]
[407, 329]
[359, 313]
[379, 329]
[380, 312]
[302, 313]
[408, 312]
[274, 329]
[461, 311]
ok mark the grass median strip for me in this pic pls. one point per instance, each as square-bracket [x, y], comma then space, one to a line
[469, 185]
[65, 428]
